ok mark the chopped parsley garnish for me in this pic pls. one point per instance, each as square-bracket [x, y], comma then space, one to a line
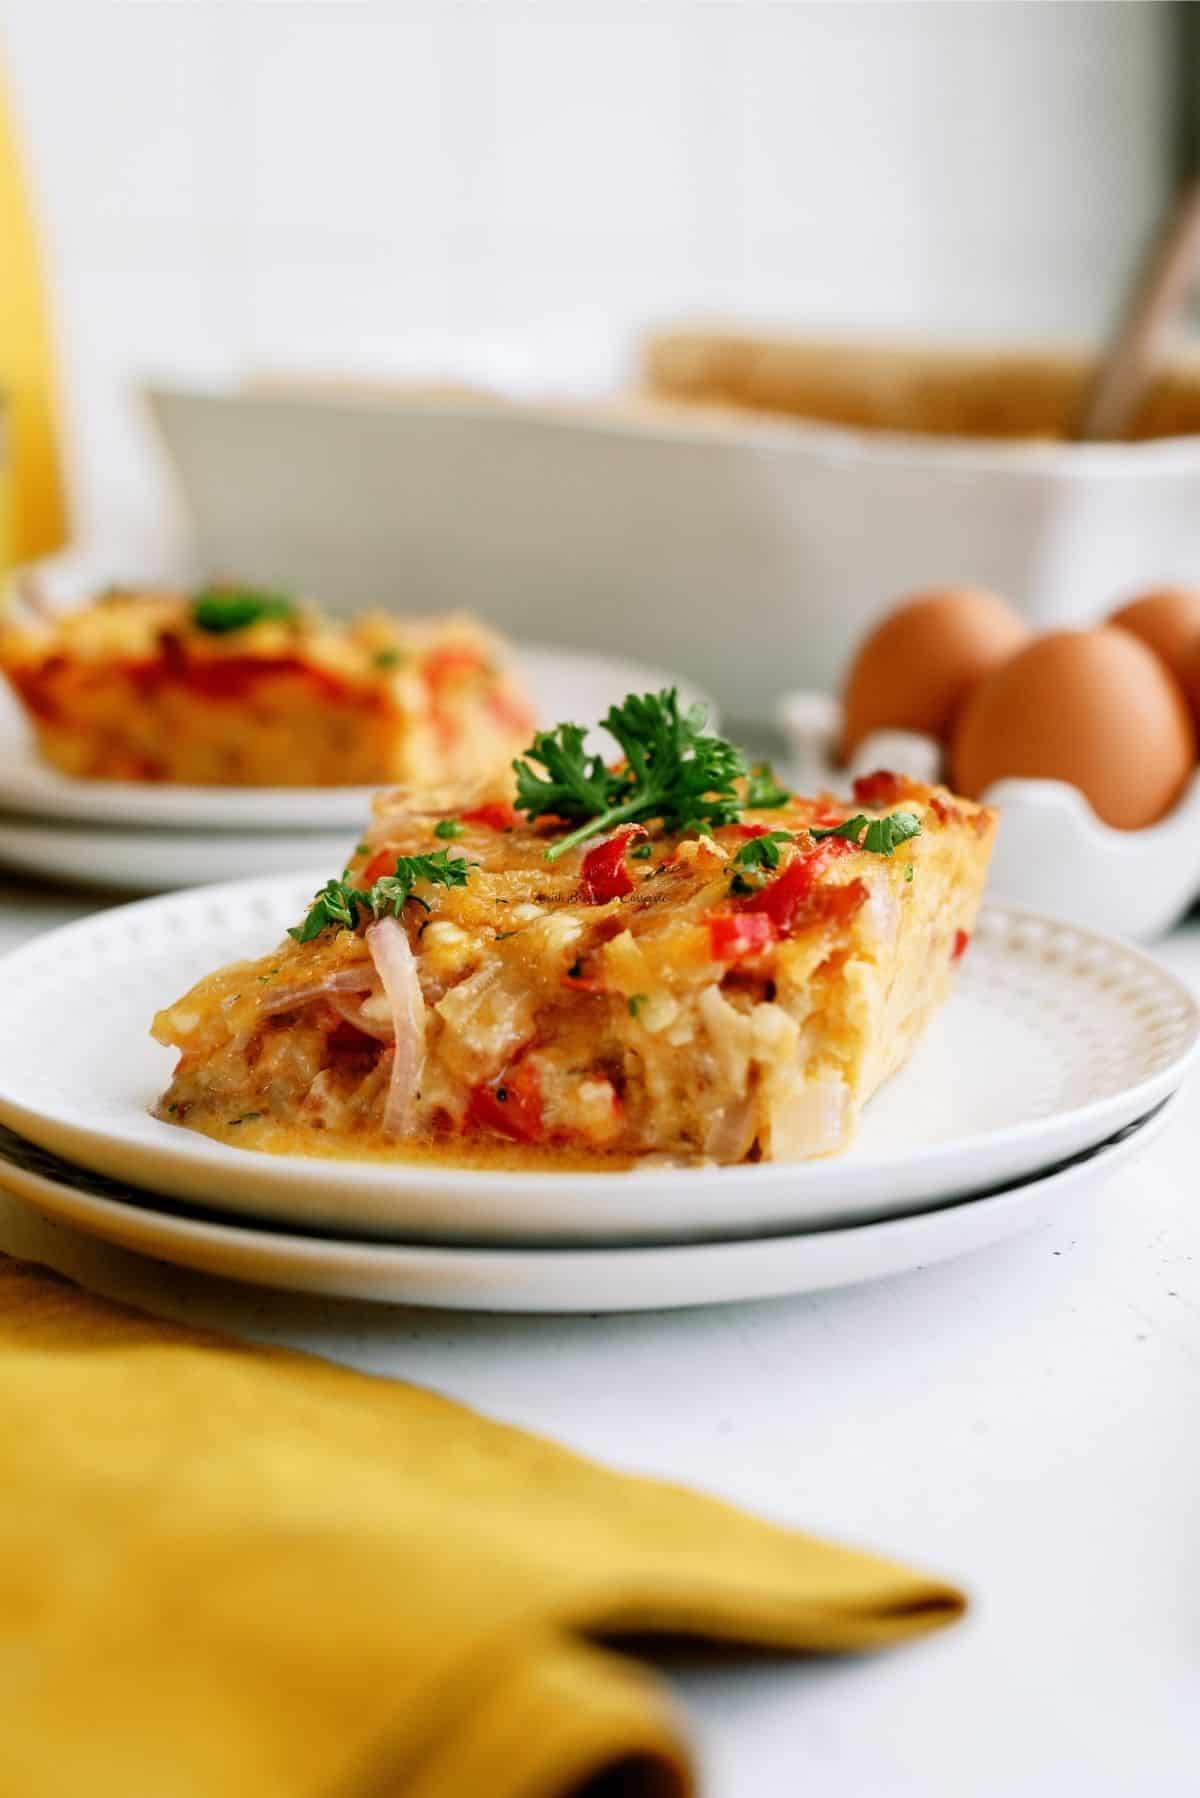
[449, 828]
[762, 852]
[643, 852]
[221, 609]
[763, 791]
[882, 834]
[339, 904]
[673, 770]
[908, 872]
[636, 1001]
[387, 658]
[391, 892]
[336, 903]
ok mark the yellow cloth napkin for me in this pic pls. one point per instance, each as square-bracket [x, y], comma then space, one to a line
[32, 518]
[228, 1570]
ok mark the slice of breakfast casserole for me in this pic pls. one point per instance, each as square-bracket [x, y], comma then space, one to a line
[670, 955]
[234, 687]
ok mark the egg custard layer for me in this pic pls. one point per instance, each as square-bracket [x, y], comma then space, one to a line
[732, 993]
[233, 687]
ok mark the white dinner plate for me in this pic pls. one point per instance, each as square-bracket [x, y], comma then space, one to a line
[1053, 1039]
[157, 861]
[529, 1279]
[562, 684]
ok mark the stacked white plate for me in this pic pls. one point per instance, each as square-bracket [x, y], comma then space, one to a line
[1054, 1062]
[151, 838]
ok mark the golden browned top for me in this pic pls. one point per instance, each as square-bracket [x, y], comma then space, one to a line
[142, 628]
[637, 916]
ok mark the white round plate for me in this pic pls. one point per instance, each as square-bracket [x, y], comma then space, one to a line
[157, 861]
[562, 683]
[613, 1279]
[1053, 1039]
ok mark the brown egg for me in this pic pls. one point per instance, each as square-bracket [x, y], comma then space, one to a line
[1190, 677]
[919, 663]
[1096, 708]
[1167, 619]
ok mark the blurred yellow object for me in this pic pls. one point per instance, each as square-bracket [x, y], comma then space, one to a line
[230, 1571]
[32, 512]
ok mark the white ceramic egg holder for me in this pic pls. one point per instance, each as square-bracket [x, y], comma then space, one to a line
[1053, 854]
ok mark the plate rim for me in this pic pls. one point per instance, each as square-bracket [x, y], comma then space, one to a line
[197, 1158]
[101, 1218]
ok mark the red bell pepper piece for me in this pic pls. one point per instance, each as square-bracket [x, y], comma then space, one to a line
[510, 1106]
[783, 898]
[495, 814]
[881, 788]
[604, 875]
[732, 934]
[839, 904]
[381, 863]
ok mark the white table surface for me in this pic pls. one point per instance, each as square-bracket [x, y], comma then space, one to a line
[1024, 1420]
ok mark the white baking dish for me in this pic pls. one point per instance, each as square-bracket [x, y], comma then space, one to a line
[1053, 854]
[749, 552]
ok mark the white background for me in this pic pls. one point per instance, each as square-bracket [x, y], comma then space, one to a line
[371, 184]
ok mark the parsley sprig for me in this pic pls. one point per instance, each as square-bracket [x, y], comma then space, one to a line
[879, 835]
[673, 770]
[339, 904]
[222, 609]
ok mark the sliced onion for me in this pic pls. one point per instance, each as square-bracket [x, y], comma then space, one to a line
[346, 980]
[393, 957]
[730, 1131]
